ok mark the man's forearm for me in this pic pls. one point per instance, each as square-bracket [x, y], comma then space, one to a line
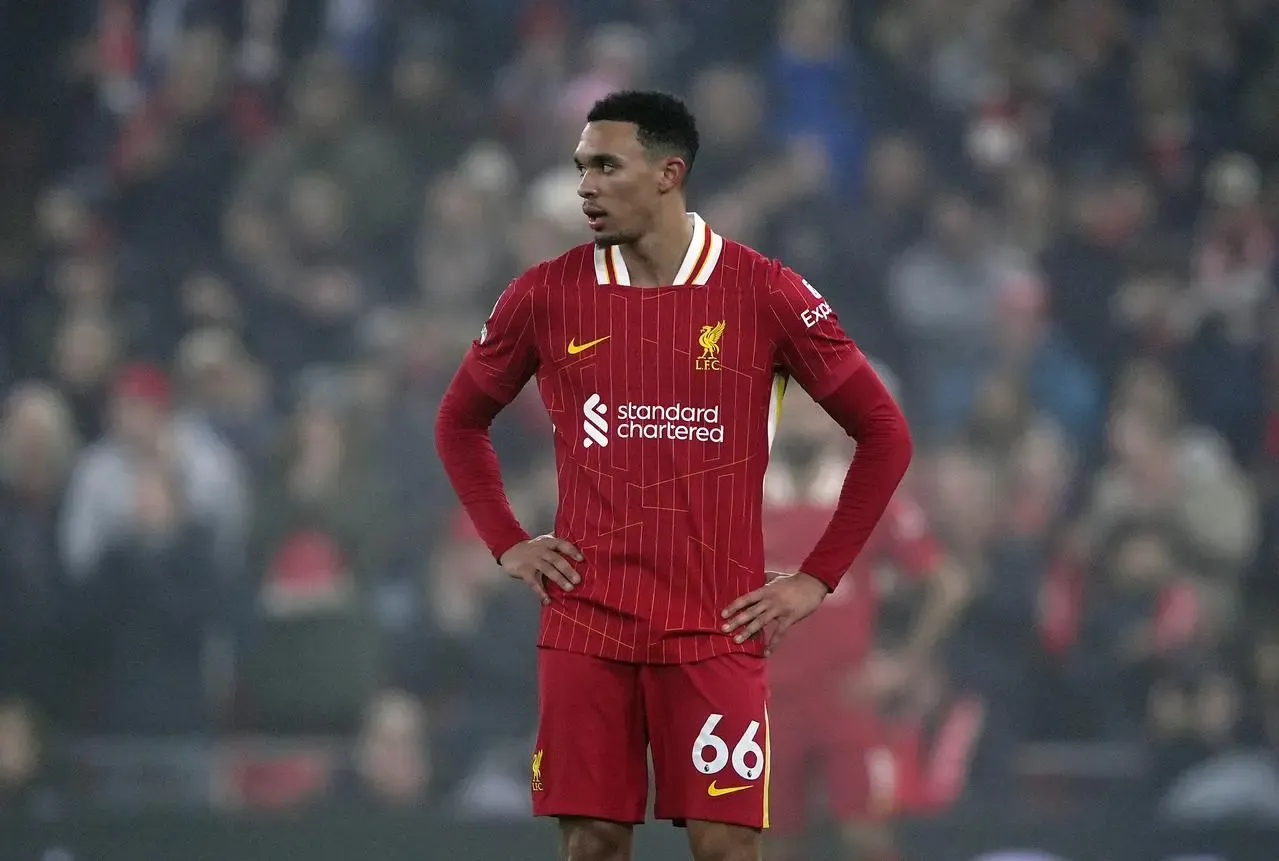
[466, 450]
[868, 413]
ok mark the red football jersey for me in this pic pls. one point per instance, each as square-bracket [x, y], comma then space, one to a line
[839, 636]
[664, 401]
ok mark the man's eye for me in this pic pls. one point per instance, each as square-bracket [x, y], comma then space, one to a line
[607, 168]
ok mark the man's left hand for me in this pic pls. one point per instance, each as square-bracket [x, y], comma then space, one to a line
[781, 602]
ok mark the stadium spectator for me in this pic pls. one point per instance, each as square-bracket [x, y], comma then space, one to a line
[327, 133]
[144, 428]
[391, 767]
[150, 605]
[38, 444]
[1161, 468]
[1205, 770]
[943, 290]
[1144, 609]
[29, 788]
[1023, 347]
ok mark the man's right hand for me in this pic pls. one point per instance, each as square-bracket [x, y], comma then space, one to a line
[543, 556]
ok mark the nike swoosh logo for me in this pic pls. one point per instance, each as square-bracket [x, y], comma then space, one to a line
[715, 792]
[574, 348]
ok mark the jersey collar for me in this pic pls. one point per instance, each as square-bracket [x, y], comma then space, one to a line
[699, 262]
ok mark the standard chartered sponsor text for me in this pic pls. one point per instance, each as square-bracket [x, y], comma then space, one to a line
[674, 422]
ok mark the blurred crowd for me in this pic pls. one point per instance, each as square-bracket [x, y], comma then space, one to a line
[245, 244]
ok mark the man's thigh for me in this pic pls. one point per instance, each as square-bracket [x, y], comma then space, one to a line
[708, 727]
[590, 760]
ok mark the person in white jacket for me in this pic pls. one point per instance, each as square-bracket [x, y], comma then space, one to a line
[99, 507]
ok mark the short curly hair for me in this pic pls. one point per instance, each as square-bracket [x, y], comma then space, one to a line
[664, 124]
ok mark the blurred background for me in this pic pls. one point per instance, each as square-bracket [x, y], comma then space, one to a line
[243, 244]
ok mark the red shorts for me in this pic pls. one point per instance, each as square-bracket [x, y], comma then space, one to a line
[706, 722]
[845, 757]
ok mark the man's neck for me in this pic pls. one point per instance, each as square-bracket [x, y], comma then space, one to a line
[655, 258]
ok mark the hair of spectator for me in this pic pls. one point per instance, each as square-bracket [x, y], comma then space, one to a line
[663, 123]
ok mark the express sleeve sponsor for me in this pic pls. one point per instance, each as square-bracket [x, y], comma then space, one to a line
[504, 356]
[812, 346]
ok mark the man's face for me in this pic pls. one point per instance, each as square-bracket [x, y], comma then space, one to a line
[197, 72]
[896, 173]
[392, 756]
[324, 101]
[137, 421]
[729, 106]
[955, 226]
[622, 183]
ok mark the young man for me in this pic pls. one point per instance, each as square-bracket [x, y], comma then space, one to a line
[660, 351]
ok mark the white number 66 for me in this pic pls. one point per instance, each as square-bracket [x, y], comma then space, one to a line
[745, 749]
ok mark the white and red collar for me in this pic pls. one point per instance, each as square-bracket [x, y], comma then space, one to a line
[699, 262]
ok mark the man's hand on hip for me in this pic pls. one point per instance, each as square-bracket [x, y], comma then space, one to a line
[782, 602]
[543, 557]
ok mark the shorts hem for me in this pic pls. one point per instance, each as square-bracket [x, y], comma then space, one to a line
[682, 821]
[578, 813]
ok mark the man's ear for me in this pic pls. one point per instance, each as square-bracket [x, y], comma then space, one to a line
[674, 172]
